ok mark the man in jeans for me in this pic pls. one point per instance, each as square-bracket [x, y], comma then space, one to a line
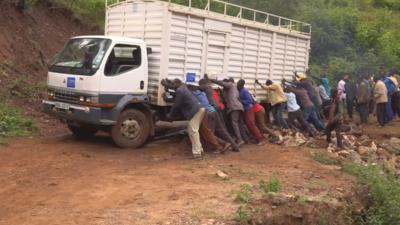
[234, 107]
[295, 114]
[381, 99]
[187, 105]
[278, 100]
[309, 112]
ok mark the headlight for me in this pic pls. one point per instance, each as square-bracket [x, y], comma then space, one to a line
[50, 94]
[88, 99]
[82, 98]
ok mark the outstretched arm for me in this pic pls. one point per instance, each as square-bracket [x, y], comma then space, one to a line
[221, 83]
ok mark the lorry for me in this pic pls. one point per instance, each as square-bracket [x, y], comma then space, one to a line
[112, 82]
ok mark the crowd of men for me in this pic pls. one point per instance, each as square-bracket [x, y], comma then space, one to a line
[223, 114]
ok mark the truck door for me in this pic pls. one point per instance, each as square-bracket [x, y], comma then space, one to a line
[126, 70]
[217, 58]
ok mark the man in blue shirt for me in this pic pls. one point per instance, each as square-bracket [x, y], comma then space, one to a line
[214, 122]
[248, 102]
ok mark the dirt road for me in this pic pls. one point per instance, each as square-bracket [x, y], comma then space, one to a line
[68, 181]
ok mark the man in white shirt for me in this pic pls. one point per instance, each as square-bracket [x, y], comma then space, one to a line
[295, 114]
[342, 94]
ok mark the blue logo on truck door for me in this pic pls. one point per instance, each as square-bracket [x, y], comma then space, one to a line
[190, 77]
[71, 82]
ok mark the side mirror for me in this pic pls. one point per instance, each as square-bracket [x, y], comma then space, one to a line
[149, 51]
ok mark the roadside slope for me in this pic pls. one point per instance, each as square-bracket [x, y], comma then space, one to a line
[28, 42]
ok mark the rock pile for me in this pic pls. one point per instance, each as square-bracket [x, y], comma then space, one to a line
[358, 147]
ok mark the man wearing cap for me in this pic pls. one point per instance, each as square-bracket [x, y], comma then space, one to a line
[305, 83]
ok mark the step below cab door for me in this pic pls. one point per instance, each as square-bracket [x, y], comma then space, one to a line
[125, 71]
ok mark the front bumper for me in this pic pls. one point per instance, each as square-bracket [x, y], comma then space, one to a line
[77, 113]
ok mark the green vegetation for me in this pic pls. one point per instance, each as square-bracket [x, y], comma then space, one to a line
[243, 215]
[244, 195]
[13, 123]
[272, 186]
[323, 158]
[383, 194]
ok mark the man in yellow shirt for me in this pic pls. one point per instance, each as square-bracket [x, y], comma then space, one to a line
[278, 100]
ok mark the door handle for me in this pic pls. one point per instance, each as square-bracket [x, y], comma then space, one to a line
[141, 85]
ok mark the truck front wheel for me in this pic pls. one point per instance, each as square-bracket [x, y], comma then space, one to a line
[131, 130]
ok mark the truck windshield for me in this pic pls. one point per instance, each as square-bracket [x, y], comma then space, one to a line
[81, 56]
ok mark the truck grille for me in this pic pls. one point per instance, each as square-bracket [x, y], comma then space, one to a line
[66, 96]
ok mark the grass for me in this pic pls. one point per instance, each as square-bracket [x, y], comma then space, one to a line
[244, 195]
[301, 200]
[383, 194]
[323, 158]
[243, 215]
[92, 10]
[272, 186]
[13, 123]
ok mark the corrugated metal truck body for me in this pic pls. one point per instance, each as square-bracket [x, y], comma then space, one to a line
[189, 40]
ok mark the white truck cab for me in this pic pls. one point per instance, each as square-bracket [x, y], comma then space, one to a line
[113, 82]
[93, 79]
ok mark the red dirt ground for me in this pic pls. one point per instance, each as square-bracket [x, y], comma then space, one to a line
[67, 181]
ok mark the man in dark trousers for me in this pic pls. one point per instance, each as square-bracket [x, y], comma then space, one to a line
[334, 120]
[363, 98]
[234, 107]
[214, 122]
[21, 4]
[306, 83]
[187, 105]
[309, 112]
[278, 100]
[381, 99]
[351, 93]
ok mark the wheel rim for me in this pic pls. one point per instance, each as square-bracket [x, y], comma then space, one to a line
[130, 129]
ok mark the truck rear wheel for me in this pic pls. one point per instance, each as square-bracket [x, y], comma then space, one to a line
[131, 130]
[82, 132]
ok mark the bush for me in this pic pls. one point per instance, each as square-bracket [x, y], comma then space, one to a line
[272, 186]
[13, 123]
[244, 195]
[384, 194]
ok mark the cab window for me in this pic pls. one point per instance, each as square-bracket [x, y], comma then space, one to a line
[123, 58]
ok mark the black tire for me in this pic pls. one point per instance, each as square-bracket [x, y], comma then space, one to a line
[131, 130]
[82, 132]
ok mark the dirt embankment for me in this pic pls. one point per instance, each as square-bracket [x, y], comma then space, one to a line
[28, 41]
[31, 38]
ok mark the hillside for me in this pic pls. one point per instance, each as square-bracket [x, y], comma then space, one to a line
[30, 41]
